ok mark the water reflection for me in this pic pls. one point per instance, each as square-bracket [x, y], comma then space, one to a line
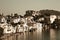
[46, 35]
[51, 34]
[39, 33]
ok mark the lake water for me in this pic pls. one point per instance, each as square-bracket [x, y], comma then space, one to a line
[52, 34]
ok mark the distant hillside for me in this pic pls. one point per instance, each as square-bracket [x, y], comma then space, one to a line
[43, 12]
[50, 12]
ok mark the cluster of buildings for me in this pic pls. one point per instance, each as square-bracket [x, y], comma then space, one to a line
[31, 21]
[16, 23]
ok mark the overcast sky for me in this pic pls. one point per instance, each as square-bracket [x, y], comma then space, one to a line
[20, 6]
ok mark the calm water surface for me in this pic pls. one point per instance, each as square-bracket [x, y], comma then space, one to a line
[52, 34]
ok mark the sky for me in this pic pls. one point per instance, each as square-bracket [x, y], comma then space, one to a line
[20, 6]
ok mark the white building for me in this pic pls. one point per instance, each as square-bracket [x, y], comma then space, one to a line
[7, 29]
[3, 20]
[39, 26]
[16, 20]
[20, 28]
[25, 27]
[52, 18]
